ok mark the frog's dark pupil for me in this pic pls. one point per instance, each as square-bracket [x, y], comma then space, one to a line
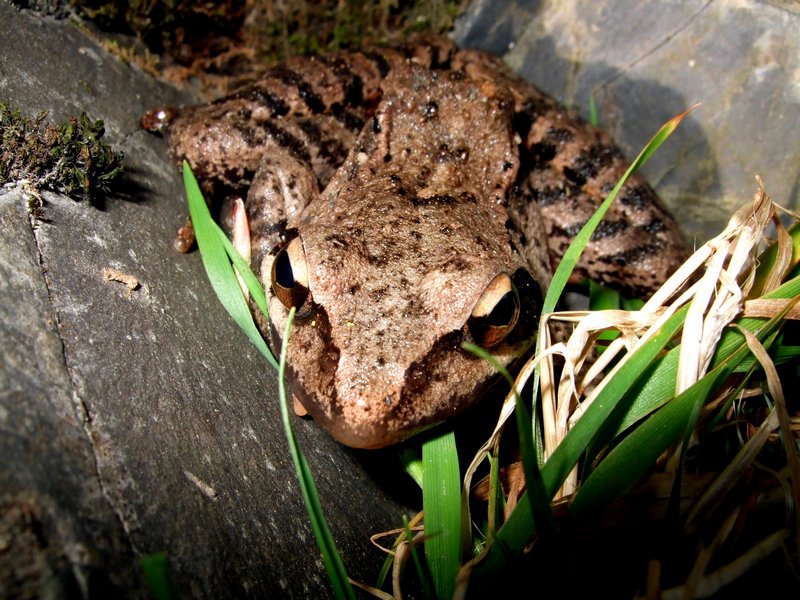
[503, 312]
[284, 275]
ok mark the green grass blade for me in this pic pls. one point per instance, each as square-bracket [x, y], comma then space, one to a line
[571, 256]
[421, 574]
[603, 298]
[159, 576]
[441, 503]
[218, 265]
[637, 453]
[337, 574]
[536, 496]
[593, 118]
[243, 269]
[412, 463]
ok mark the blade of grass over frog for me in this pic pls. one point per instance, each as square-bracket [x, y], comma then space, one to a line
[575, 249]
[218, 266]
[536, 496]
[571, 256]
[330, 555]
[159, 577]
[253, 284]
[520, 526]
[441, 503]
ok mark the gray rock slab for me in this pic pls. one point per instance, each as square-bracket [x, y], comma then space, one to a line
[140, 421]
[645, 62]
[143, 421]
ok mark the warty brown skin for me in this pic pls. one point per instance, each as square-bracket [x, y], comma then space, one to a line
[413, 177]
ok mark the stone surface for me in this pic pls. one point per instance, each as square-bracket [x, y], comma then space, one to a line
[645, 62]
[143, 421]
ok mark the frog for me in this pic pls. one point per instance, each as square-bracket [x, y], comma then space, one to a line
[406, 202]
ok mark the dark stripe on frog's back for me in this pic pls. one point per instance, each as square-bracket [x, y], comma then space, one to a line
[568, 170]
[345, 82]
[567, 167]
[340, 92]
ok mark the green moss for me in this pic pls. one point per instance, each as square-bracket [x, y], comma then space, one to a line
[70, 158]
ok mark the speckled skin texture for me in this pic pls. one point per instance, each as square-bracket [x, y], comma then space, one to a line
[413, 177]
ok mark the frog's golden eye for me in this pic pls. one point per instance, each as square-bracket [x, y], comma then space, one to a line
[290, 274]
[496, 312]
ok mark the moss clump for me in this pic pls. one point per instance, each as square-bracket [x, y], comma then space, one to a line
[71, 158]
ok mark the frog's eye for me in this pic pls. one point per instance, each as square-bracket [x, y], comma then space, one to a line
[495, 313]
[290, 274]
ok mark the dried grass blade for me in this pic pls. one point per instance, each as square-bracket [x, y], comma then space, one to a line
[776, 391]
[729, 573]
[768, 308]
[706, 553]
[768, 260]
[691, 359]
[725, 481]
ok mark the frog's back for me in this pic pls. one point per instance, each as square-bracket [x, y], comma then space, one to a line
[314, 108]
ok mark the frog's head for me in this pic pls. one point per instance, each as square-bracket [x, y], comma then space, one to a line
[386, 293]
[405, 256]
